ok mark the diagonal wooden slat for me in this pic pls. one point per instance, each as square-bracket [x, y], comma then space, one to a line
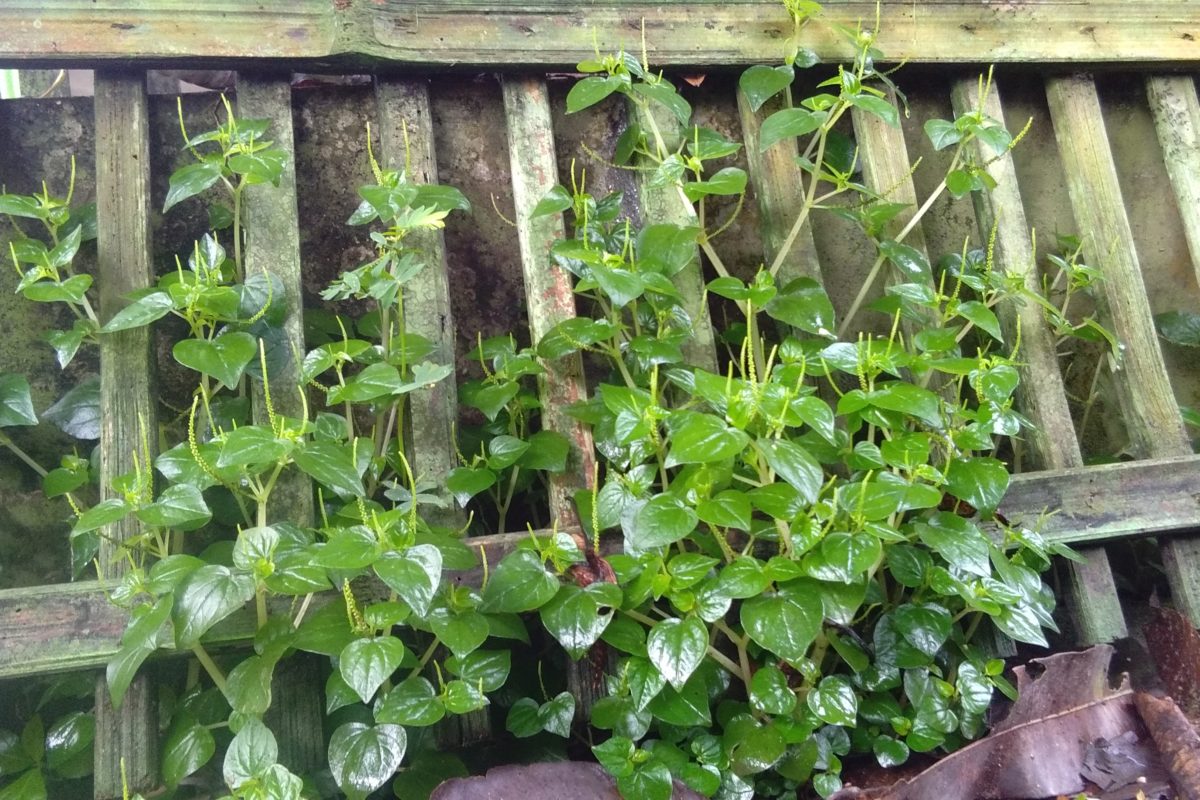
[1147, 402]
[273, 247]
[128, 427]
[550, 299]
[73, 626]
[1176, 111]
[513, 32]
[1052, 444]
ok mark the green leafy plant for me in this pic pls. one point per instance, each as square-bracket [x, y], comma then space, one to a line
[811, 562]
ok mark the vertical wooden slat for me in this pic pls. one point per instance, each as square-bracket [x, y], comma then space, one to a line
[778, 184]
[273, 246]
[550, 300]
[126, 393]
[1143, 387]
[1052, 444]
[401, 104]
[665, 204]
[1176, 111]
[403, 108]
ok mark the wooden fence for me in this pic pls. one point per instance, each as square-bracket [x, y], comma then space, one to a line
[73, 626]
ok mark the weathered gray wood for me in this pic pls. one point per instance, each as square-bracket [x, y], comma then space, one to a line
[128, 427]
[667, 204]
[1052, 444]
[1176, 112]
[273, 246]
[73, 626]
[550, 299]
[779, 186]
[401, 105]
[1143, 387]
[512, 32]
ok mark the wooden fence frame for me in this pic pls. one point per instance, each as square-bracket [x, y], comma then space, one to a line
[73, 626]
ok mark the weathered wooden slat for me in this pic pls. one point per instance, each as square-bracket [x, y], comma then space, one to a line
[666, 204]
[1052, 444]
[403, 105]
[1143, 387]
[1176, 111]
[128, 427]
[406, 139]
[273, 247]
[779, 186]
[511, 32]
[550, 299]
[73, 626]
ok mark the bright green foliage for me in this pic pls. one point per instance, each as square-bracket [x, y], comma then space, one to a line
[809, 549]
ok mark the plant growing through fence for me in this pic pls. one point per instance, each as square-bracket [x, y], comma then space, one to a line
[804, 571]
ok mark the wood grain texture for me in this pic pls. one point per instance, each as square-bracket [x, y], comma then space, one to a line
[128, 426]
[403, 105]
[1147, 402]
[667, 204]
[548, 290]
[550, 299]
[1176, 112]
[273, 246]
[272, 226]
[779, 187]
[73, 626]
[515, 33]
[1052, 444]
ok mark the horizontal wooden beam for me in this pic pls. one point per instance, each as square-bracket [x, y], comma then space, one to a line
[342, 34]
[74, 626]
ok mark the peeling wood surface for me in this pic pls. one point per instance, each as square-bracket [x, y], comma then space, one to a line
[1176, 112]
[513, 33]
[73, 626]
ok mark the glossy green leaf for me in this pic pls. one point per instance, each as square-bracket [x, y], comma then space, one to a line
[333, 465]
[981, 482]
[702, 438]
[77, 413]
[188, 748]
[224, 358]
[363, 758]
[181, 507]
[784, 625]
[834, 701]
[803, 304]
[958, 541]
[189, 181]
[575, 618]
[209, 595]
[760, 83]
[142, 311]
[662, 521]
[925, 627]
[366, 663]
[677, 647]
[769, 691]
[520, 583]
[788, 123]
[413, 575]
[251, 753]
[461, 632]
[16, 405]
[589, 91]
[413, 702]
[795, 465]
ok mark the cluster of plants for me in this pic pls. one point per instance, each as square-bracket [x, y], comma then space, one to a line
[804, 573]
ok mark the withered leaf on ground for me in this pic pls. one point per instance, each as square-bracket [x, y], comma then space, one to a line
[551, 781]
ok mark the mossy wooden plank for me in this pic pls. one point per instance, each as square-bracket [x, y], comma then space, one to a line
[549, 296]
[272, 228]
[668, 204]
[128, 426]
[406, 138]
[1052, 443]
[1176, 112]
[779, 187]
[1147, 402]
[510, 32]
[73, 626]
[550, 299]
[273, 247]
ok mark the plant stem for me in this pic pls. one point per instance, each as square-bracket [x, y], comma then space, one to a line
[214, 672]
[21, 454]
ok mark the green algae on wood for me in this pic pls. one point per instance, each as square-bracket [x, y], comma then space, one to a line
[1051, 443]
[128, 425]
[1142, 384]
